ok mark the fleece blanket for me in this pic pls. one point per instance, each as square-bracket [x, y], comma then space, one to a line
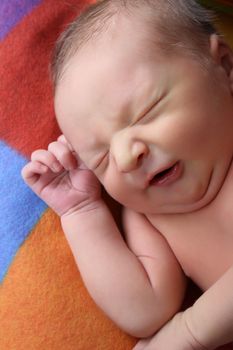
[43, 302]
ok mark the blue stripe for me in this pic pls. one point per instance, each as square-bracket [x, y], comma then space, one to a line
[12, 11]
[20, 208]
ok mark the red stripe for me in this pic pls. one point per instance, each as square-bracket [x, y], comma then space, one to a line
[26, 102]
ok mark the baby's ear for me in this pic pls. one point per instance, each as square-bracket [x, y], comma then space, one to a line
[222, 55]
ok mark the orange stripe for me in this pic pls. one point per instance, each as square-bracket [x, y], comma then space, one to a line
[44, 304]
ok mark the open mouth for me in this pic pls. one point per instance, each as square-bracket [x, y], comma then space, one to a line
[167, 176]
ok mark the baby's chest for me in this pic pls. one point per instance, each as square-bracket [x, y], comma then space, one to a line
[204, 252]
[202, 243]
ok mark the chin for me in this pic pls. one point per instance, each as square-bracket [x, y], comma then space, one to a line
[196, 201]
[183, 204]
[193, 195]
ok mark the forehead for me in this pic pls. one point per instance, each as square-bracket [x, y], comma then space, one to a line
[103, 78]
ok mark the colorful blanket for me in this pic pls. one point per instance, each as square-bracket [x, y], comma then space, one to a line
[43, 303]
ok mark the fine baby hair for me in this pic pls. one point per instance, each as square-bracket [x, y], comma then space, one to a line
[174, 26]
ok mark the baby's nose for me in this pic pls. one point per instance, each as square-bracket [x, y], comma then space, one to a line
[128, 153]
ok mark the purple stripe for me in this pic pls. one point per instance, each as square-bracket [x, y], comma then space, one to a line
[12, 11]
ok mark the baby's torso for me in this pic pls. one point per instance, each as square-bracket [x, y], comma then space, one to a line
[203, 240]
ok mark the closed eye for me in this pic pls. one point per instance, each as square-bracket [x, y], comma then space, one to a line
[147, 114]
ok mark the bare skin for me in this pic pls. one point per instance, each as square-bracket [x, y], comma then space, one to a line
[147, 116]
[204, 251]
[44, 179]
[205, 240]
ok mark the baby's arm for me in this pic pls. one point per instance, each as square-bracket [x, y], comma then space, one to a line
[160, 264]
[206, 325]
[139, 290]
[126, 288]
[210, 319]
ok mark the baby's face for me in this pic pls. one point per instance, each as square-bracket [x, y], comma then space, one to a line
[157, 131]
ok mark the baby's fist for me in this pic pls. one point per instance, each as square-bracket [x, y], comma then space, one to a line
[59, 178]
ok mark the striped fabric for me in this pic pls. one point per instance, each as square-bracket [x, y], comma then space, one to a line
[43, 303]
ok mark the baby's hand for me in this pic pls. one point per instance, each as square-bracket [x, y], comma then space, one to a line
[174, 335]
[59, 178]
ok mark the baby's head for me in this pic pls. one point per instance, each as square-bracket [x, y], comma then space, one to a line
[143, 92]
[170, 25]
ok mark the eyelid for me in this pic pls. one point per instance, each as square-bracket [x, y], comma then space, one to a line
[150, 108]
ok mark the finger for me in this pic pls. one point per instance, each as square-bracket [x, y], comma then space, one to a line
[143, 344]
[63, 154]
[47, 158]
[32, 171]
[139, 346]
[64, 141]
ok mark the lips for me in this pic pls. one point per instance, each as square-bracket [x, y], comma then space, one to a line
[167, 176]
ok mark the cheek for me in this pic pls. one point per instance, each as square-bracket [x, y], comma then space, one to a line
[116, 187]
[183, 133]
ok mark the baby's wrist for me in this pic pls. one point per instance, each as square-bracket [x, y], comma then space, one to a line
[81, 209]
[86, 219]
[195, 337]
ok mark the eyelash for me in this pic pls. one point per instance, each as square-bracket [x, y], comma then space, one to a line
[143, 119]
[146, 117]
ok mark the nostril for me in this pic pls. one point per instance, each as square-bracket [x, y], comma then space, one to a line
[139, 152]
[140, 158]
